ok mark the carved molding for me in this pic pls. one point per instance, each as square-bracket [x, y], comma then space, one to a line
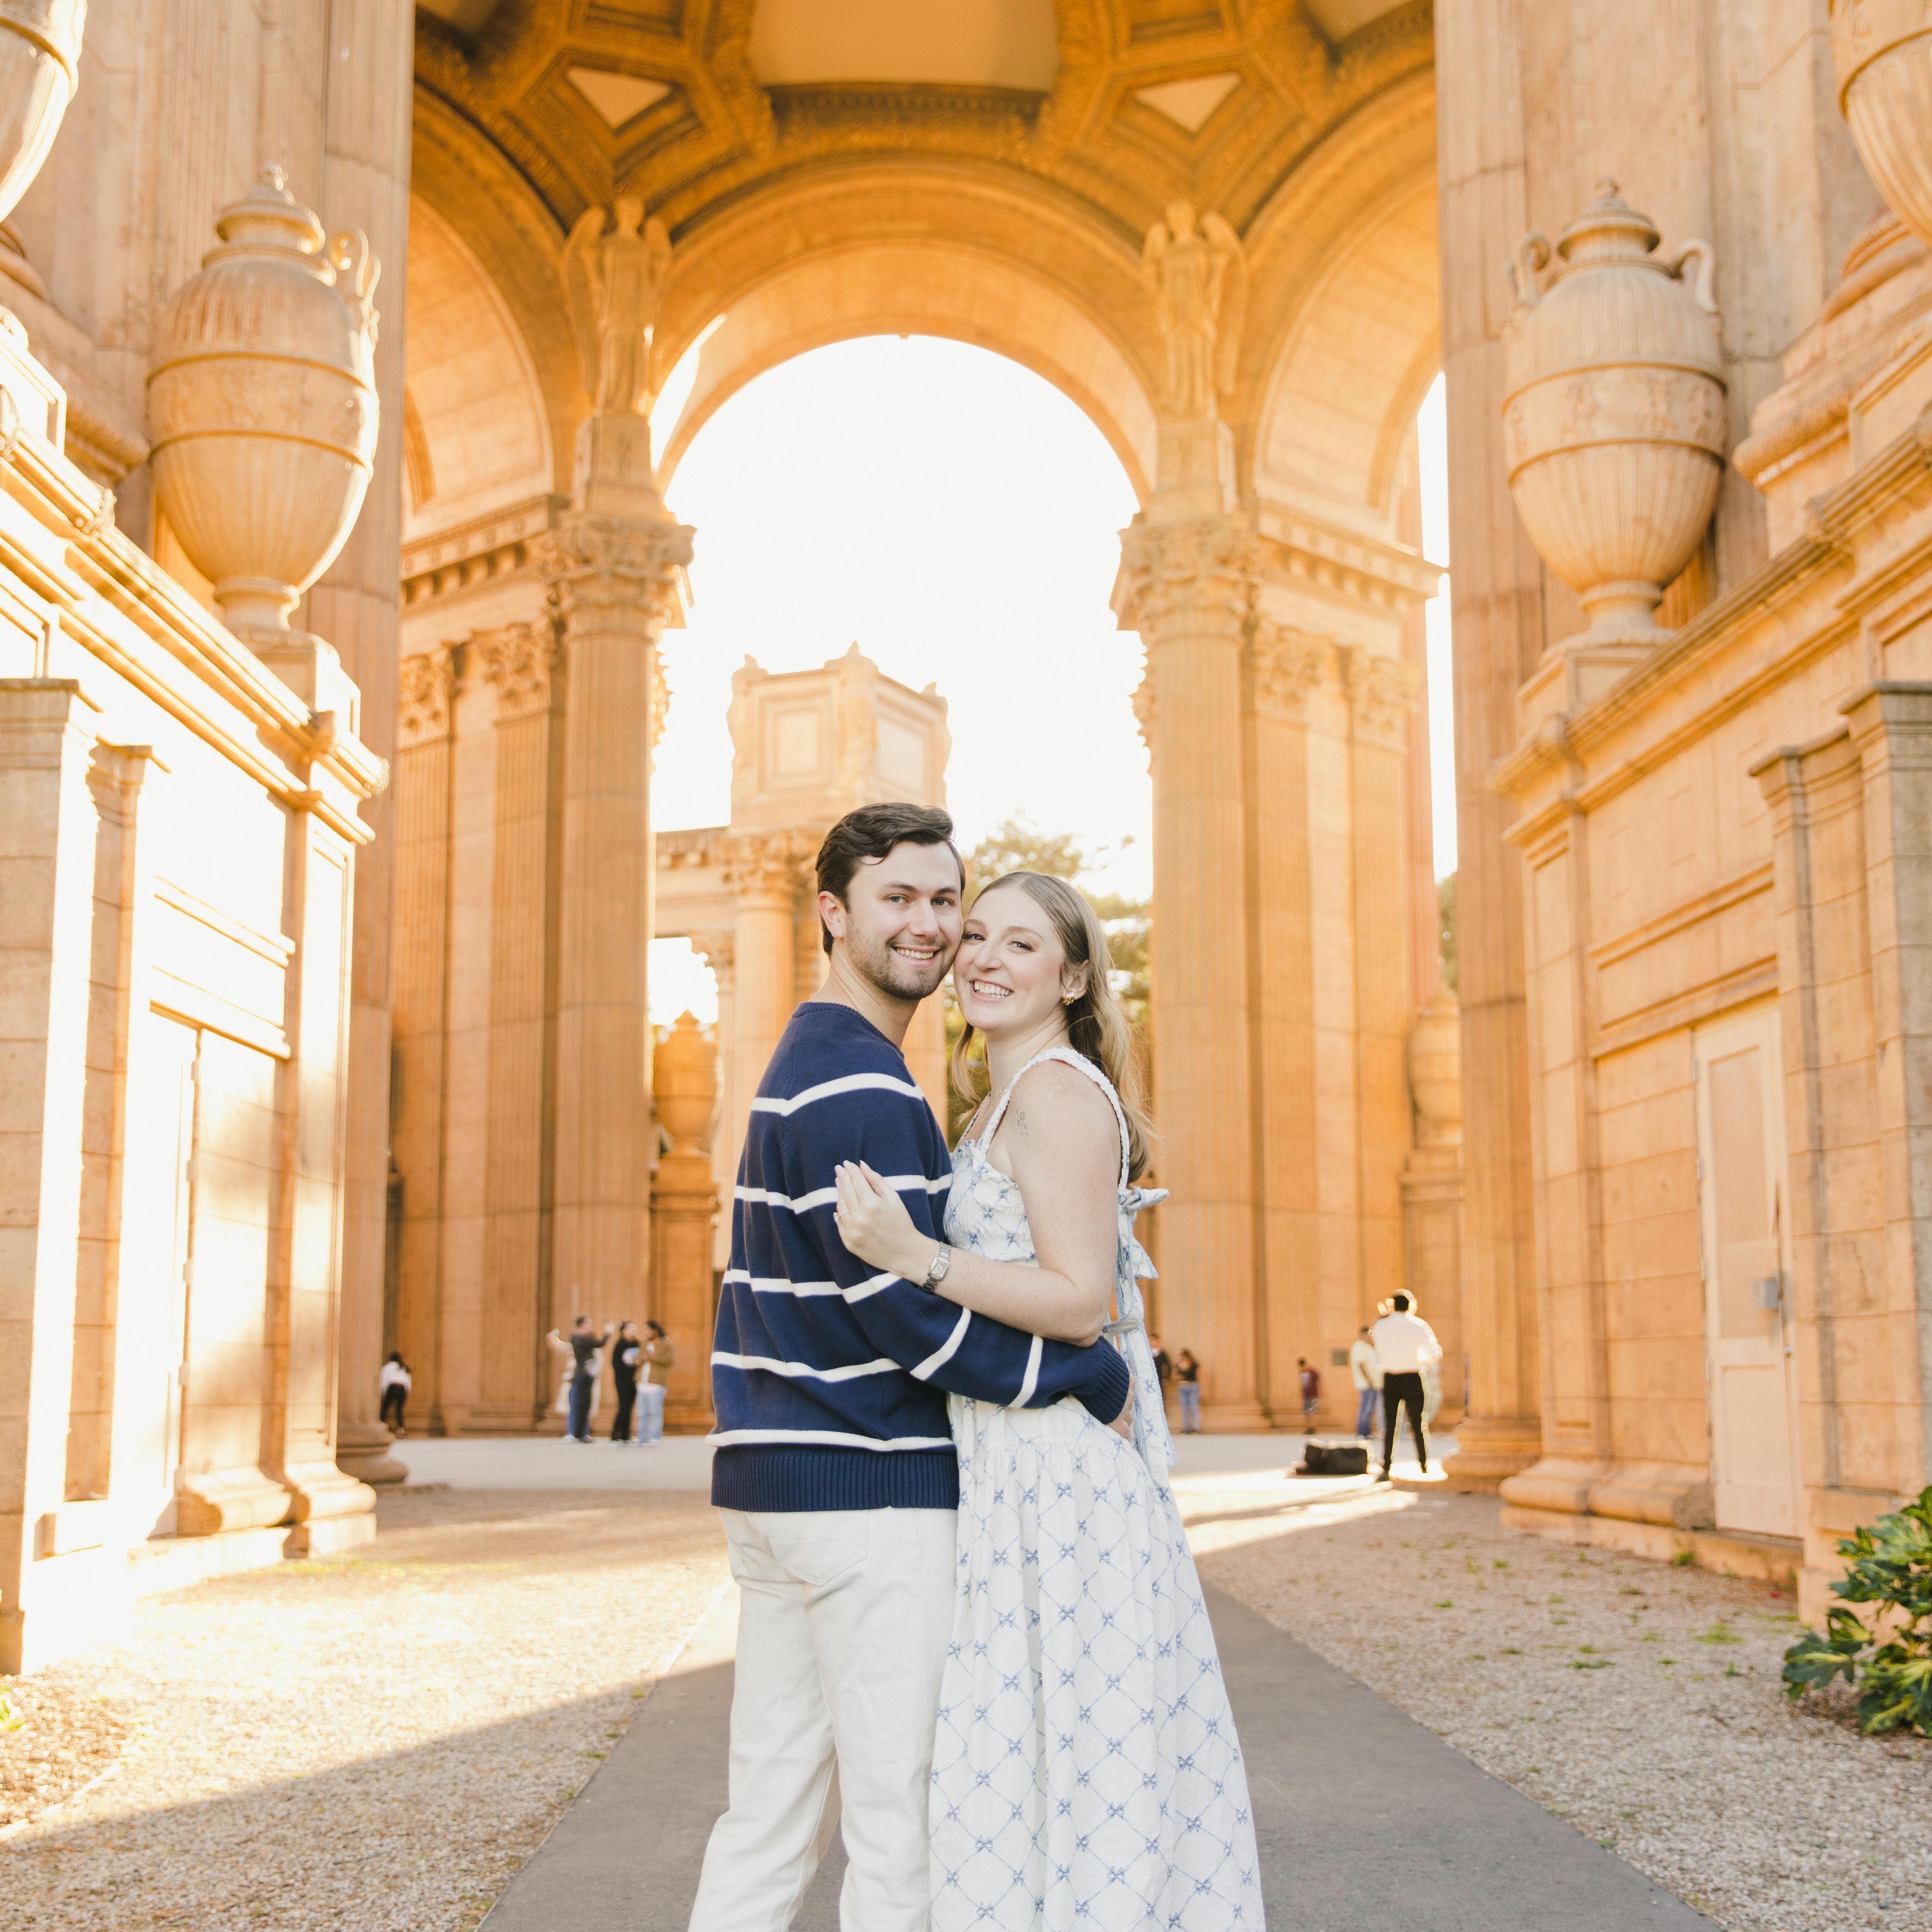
[1185, 577]
[521, 661]
[720, 950]
[609, 565]
[769, 865]
[1284, 666]
[1381, 692]
[1143, 707]
[426, 688]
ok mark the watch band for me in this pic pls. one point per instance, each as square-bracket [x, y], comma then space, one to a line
[936, 1269]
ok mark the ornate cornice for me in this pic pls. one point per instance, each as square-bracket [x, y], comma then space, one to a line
[1284, 666]
[1185, 577]
[520, 660]
[426, 685]
[1382, 694]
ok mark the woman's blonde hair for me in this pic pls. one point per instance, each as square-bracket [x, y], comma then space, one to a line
[1095, 1027]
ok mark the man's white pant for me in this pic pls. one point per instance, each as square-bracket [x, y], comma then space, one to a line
[845, 1620]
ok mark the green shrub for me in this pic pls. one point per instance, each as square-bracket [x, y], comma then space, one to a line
[1888, 1564]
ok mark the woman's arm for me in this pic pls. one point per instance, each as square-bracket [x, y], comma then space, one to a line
[1063, 1149]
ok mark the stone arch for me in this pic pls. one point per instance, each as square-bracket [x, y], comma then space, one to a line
[929, 252]
[474, 424]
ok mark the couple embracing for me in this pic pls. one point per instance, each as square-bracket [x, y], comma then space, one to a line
[971, 1634]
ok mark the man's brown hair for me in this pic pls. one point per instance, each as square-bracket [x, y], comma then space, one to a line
[871, 833]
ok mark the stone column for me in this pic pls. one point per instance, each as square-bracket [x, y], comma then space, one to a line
[1284, 667]
[369, 103]
[721, 954]
[424, 776]
[762, 868]
[1496, 603]
[47, 836]
[1381, 691]
[617, 580]
[520, 662]
[684, 1204]
[1187, 587]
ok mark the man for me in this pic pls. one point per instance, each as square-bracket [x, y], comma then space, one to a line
[1163, 1365]
[835, 1469]
[586, 1364]
[1367, 1373]
[1403, 1342]
[625, 1360]
[1311, 1393]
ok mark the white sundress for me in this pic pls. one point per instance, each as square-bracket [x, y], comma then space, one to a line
[1086, 1773]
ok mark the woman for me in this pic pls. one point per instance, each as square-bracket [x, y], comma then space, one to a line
[659, 1359]
[1086, 1769]
[625, 1360]
[393, 1381]
[1188, 1370]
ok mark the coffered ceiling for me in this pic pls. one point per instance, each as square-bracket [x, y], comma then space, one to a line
[1123, 104]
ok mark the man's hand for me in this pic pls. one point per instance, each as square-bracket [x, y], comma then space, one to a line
[873, 1223]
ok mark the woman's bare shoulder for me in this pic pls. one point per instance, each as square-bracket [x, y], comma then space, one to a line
[1056, 1104]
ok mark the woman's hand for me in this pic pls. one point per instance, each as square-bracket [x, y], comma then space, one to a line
[873, 1223]
[1123, 1424]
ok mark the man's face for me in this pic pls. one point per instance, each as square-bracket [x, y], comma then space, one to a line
[900, 922]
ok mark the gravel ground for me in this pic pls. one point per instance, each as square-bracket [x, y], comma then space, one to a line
[376, 1742]
[1640, 1701]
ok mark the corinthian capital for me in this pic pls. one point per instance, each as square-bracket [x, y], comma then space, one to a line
[768, 864]
[520, 660]
[1381, 693]
[425, 685]
[1186, 577]
[619, 566]
[1284, 666]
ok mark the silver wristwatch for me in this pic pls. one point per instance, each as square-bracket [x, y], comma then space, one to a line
[936, 1273]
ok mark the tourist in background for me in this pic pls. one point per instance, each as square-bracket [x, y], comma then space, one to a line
[1311, 1392]
[659, 1358]
[625, 1360]
[1163, 1367]
[1188, 1372]
[1367, 1373]
[394, 1382]
[585, 1349]
[1403, 1343]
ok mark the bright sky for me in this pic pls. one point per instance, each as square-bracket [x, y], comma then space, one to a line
[959, 518]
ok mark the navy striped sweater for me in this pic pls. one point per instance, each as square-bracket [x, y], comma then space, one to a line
[829, 1379]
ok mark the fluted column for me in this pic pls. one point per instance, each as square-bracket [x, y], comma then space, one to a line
[684, 1204]
[764, 869]
[1187, 587]
[1284, 667]
[1381, 691]
[423, 775]
[1496, 592]
[520, 662]
[721, 954]
[616, 580]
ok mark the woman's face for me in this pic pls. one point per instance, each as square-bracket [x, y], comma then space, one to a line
[1011, 974]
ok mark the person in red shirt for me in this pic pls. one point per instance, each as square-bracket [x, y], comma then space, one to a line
[1311, 1393]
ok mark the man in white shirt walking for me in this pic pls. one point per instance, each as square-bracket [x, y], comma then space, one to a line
[1404, 1343]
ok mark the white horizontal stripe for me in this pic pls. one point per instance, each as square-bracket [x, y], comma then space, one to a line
[1032, 1382]
[942, 1355]
[726, 1439]
[760, 1284]
[850, 1083]
[822, 1197]
[870, 1285]
[771, 1366]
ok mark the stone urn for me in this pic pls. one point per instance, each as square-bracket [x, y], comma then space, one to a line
[262, 404]
[1435, 1071]
[1614, 421]
[40, 68]
[1881, 50]
[684, 1084]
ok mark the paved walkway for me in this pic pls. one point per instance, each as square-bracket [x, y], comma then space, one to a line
[1400, 1831]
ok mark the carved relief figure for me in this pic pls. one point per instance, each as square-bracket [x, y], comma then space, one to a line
[615, 284]
[1195, 269]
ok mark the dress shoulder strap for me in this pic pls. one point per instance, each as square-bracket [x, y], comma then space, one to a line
[1069, 1057]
